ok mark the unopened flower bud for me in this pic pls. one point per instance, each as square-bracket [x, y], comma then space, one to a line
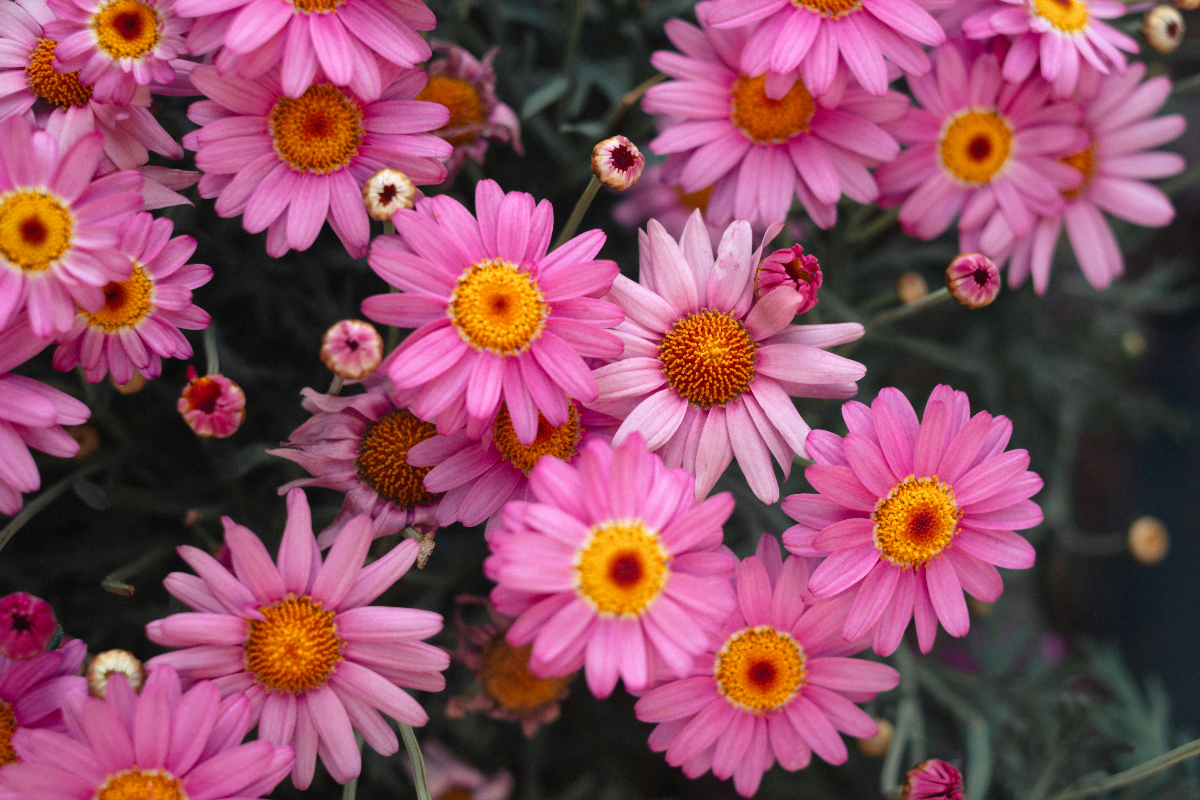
[1148, 540]
[386, 192]
[212, 405]
[877, 746]
[933, 779]
[1163, 28]
[973, 280]
[112, 662]
[911, 287]
[135, 384]
[1187, 5]
[27, 625]
[617, 163]
[352, 349]
[88, 439]
[790, 267]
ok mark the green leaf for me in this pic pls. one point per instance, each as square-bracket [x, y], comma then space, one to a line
[544, 95]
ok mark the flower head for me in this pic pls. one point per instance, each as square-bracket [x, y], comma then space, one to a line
[792, 268]
[386, 192]
[617, 163]
[212, 405]
[352, 349]
[912, 513]
[933, 780]
[104, 666]
[973, 280]
[33, 692]
[451, 778]
[296, 636]
[27, 625]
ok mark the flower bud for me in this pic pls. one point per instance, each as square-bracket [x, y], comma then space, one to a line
[212, 405]
[109, 663]
[1187, 5]
[877, 746]
[1148, 540]
[911, 287]
[88, 439]
[386, 192]
[973, 280]
[352, 349]
[617, 163]
[790, 267]
[1163, 28]
[135, 384]
[933, 779]
[27, 625]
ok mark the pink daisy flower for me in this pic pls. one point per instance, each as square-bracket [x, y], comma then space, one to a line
[359, 444]
[33, 691]
[1064, 37]
[614, 567]
[707, 369]
[287, 164]
[27, 625]
[757, 152]
[140, 321]
[163, 743]
[933, 780]
[821, 37]
[211, 405]
[774, 685]
[497, 318]
[913, 513]
[1115, 164]
[449, 777]
[982, 146]
[299, 640]
[653, 198]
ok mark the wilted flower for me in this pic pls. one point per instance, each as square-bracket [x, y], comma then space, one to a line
[386, 192]
[617, 163]
[27, 625]
[114, 662]
[790, 267]
[451, 778]
[933, 780]
[1163, 28]
[1148, 540]
[973, 280]
[352, 349]
[212, 405]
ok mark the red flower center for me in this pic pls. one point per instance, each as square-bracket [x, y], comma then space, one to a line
[204, 394]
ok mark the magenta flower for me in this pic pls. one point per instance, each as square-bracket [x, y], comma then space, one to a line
[163, 743]
[707, 369]
[351, 349]
[913, 513]
[933, 780]
[297, 638]
[973, 279]
[497, 318]
[33, 692]
[211, 405]
[653, 198]
[725, 131]
[27, 625]
[614, 567]
[287, 164]
[774, 685]
[792, 268]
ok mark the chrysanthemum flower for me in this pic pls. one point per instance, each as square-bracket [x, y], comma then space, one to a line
[451, 778]
[27, 625]
[466, 86]
[653, 198]
[139, 323]
[981, 146]
[351, 349]
[497, 317]
[707, 369]
[793, 268]
[933, 780]
[288, 164]
[212, 405]
[1115, 163]
[774, 685]
[913, 513]
[614, 568]
[1063, 37]
[33, 692]
[298, 639]
[163, 744]
[756, 152]
[822, 36]
[358, 444]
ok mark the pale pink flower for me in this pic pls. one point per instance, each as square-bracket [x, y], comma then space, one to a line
[912, 513]
[933, 780]
[448, 776]
[792, 268]
[33, 692]
[617, 163]
[973, 279]
[296, 636]
[615, 567]
[351, 349]
[708, 372]
[774, 684]
[211, 405]
[653, 198]
[27, 625]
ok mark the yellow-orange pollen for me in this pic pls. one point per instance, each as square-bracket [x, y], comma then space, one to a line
[1085, 162]
[464, 103]
[708, 358]
[126, 29]
[1069, 16]
[8, 726]
[829, 8]
[320, 131]
[62, 89]
[317, 6]
[137, 785]
[505, 676]
[35, 229]
[126, 303]
[551, 440]
[456, 793]
[760, 669]
[498, 308]
[383, 459]
[768, 121]
[975, 146]
[621, 568]
[916, 521]
[295, 648]
[696, 201]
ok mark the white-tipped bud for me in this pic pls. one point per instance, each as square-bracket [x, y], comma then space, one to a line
[386, 192]
[112, 662]
[1163, 28]
[352, 349]
[617, 163]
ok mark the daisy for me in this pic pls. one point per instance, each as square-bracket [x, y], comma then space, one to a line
[913, 513]
[211, 405]
[497, 318]
[614, 567]
[287, 164]
[774, 685]
[359, 444]
[450, 778]
[140, 321]
[982, 146]
[756, 152]
[33, 691]
[652, 197]
[707, 370]
[163, 743]
[1064, 37]
[298, 639]
[27, 625]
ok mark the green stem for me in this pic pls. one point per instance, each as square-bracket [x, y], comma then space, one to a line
[978, 773]
[877, 226]
[908, 309]
[351, 788]
[335, 386]
[45, 498]
[907, 726]
[571, 54]
[1134, 774]
[393, 333]
[1186, 86]
[418, 762]
[585, 200]
[210, 350]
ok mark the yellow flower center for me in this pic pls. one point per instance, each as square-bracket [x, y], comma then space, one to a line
[1085, 162]
[768, 121]
[296, 647]
[708, 358]
[551, 440]
[621, 568]
[456, 793]
[829, 8]
[498, 308]
[137, 785]
[916, 521]
[62, 89]
[8, 726]
[505, 676]
[317, 6]
[760, 669]
[126, 303]
[35, 229]
[696, 201]
[1069, 16]
[975, 146]
[383, 459]
[320, 131]
[126, 29]
[463, 101]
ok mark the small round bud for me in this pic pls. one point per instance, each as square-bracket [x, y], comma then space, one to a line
[617, 163]
[112, 662]
[911, 287]
[135, 384]
[212, 405]
[978, 607]
[352, 349]
[1133, 343]
[933, 778]
[1187, 5]
[973, 280]
[1148, 540]
[877, 746]
[790, 267]
[1163, 28]
[27, 625]
[386, 192]
[88, 439]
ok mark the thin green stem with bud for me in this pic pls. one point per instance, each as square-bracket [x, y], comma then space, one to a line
[210, 350]
[418, 762]
[1134, 774]
[585, 200]
[908, 309]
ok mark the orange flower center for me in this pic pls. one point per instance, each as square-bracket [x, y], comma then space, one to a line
[975, 146]
[295, 648]
[1069, 16]
[696, 201]
[8, 726]
[320, 131]
[62, 89]
[1085, 162]
[708, 358]
[553, 440]
[768, 121]
[760, 669]
[126, 29]
[463, 101]
[829, 8]
[202, 395]
[383, 459]
[35, 229]
[137, 785]
[126, 303]
[916, 521]
[621, 568]
[505, 676]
